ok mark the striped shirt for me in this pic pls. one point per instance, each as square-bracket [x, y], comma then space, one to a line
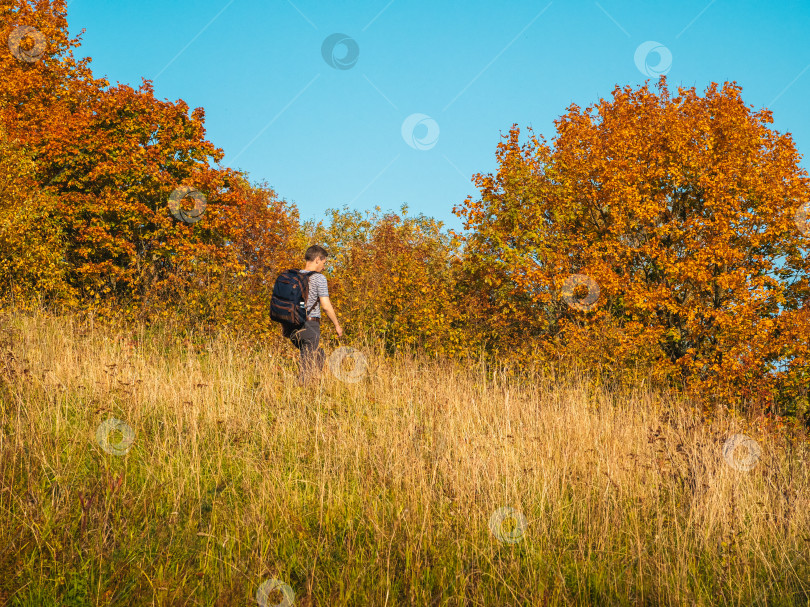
[317, 289]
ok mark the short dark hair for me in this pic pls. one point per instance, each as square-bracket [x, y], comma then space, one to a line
[315, 252]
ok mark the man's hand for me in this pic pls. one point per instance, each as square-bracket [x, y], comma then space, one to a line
[339, 330]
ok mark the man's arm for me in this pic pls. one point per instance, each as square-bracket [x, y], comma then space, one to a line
[326, 306]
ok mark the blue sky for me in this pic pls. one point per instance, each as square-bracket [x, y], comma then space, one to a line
[418, 93]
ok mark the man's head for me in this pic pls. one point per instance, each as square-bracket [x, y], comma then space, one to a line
[316, 258]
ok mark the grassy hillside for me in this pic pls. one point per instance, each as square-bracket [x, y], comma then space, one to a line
[391, 490]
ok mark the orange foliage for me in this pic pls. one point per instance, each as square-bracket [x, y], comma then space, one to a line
[111, 157]
[395, 276]
[682, 213]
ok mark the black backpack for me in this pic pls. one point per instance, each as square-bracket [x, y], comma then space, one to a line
[289, 298]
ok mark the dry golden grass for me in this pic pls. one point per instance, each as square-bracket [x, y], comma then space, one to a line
[379, 492]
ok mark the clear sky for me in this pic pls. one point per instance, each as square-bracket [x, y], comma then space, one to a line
[385, 102]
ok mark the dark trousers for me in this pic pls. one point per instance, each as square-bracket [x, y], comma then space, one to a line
[306, 339]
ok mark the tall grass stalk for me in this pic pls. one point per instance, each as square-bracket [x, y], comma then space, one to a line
[380, 492]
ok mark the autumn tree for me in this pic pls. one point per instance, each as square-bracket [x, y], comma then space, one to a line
[32, 266]
[655, 230]
[394, 275]
[114, 158]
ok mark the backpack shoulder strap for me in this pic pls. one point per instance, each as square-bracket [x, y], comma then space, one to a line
[307, 292]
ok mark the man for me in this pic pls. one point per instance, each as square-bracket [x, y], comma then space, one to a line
[307, 338]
